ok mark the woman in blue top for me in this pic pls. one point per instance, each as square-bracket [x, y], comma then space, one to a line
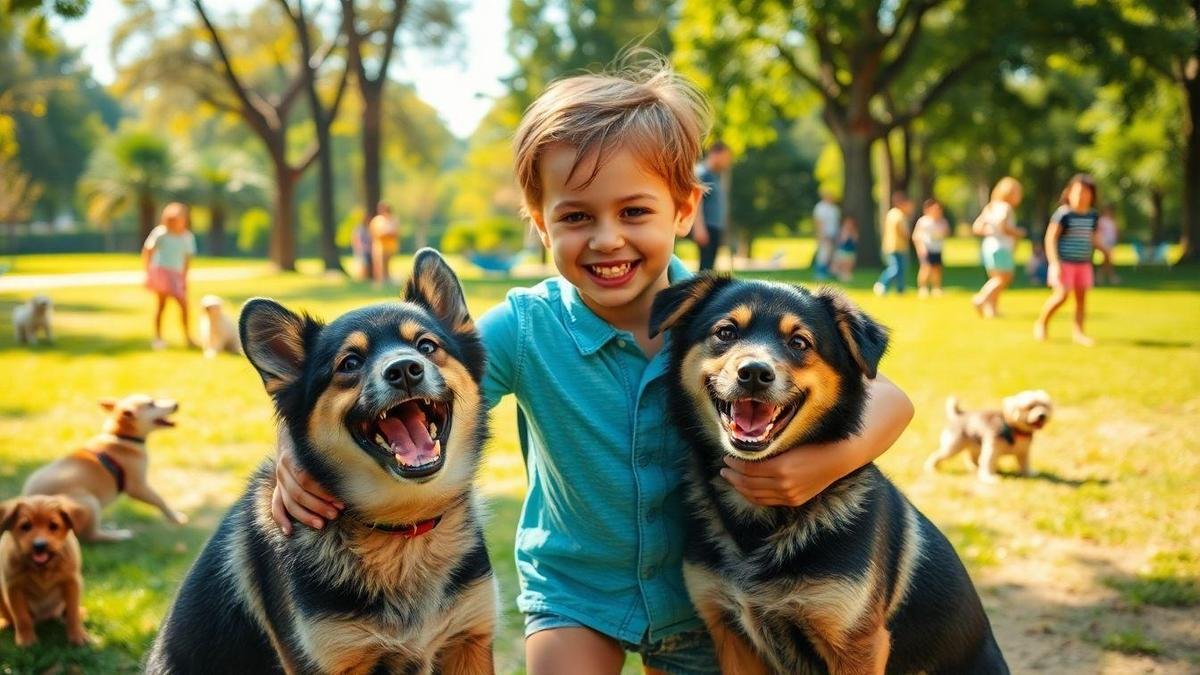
[605, 167]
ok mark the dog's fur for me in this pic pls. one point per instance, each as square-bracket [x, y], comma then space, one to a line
[217, 332]
[854, 581]
[989, 434]
[31, 317]
[41, 568]
[351, 597]
[83, 476]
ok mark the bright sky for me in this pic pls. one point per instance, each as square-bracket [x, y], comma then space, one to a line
[462, 91]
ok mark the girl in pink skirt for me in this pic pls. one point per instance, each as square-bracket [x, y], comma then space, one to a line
[166, 255]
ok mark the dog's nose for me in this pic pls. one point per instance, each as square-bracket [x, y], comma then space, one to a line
[40, 545]
[406, 373]
[756, 375]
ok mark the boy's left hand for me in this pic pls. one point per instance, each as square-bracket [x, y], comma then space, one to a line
[790, 478]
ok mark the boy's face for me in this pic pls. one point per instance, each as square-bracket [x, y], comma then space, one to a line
[612, 239]
[934, 211]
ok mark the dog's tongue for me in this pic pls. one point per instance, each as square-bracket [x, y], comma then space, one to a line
[409, 437]
[41, 558]
[752, 417]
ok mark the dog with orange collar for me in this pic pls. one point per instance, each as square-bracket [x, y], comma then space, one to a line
[990, 434]
[383, 406]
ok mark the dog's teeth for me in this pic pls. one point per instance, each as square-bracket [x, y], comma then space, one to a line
[769, 428]
[437, 448]
[433, 431]
[381, 440]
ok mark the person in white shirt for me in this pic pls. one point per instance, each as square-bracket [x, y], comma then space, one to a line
[928, 234]
[827, 222]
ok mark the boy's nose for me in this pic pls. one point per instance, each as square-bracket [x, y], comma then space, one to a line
[606, 237]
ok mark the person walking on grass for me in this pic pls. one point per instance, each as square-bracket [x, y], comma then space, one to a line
[166, 256]
[827, 221]
[928, 234]
[709, 229]
[895, 244]
[1106, 231]
[846, 252]
[997, 224]
[1071, 239]
[385, 242]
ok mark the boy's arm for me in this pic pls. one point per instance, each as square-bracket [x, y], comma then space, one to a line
[797, 475]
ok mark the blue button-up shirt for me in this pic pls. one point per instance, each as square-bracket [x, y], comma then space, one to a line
[600, 537]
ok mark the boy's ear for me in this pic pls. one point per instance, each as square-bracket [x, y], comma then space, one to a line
[538, 221]
[686, 212]
[866, 339]
[275, 341]
[673, 303]
[434, 286]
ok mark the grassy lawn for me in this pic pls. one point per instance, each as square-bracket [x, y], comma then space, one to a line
[1091, 566]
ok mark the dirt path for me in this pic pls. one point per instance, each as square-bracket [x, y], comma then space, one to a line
[1051, 611]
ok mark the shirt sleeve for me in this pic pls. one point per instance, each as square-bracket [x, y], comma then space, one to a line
[152, 238]
[191, 243]
[499, 328]
[1059, 213]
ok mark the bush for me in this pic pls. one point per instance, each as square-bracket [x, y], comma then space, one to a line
[494, 235]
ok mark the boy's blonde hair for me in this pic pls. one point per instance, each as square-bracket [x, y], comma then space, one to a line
[1006, 189]
[655, 114]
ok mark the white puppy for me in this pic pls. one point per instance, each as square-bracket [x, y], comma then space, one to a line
[31, 317]
[217, 331]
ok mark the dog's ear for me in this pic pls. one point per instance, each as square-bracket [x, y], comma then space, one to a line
[108, 404]
[866, 339]
[72, 512]
[677, 301]
[8, 513]
[276, 341]
[434, 286]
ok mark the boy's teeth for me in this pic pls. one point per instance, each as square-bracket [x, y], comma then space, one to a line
[611, 271]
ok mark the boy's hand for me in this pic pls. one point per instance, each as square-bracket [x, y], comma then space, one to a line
[795, 476]
[297, 494]
[1054, 275]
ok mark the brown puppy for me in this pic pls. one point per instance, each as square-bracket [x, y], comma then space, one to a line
[988, 434]
[111, 463]
[40, 566]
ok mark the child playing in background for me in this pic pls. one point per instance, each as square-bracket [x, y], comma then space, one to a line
[997, 224]
[1037, 267]
[846, 253]
[895, 244]
[1106, 238]
[166, 255]
[385, 242]
[605, 168]
[1071, 238]
[928, 234]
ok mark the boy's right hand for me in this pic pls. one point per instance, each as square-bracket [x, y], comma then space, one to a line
[297, 494]
[1054, 275]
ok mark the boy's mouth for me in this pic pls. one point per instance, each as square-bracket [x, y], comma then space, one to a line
[612, 274]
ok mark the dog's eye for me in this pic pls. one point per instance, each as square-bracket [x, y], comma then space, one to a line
[351, 363]
[726, 333]
[427, 346]
[54, 527]
[25, 527]
[799, 343]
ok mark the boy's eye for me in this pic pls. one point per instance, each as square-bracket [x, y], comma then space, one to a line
[726, 333]
[350, 364]
[574, 217]
[427, 346]
[635, 211]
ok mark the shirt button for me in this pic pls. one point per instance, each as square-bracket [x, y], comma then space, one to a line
[649, 572]
[651, 515]
[621, 344]
[644, 460]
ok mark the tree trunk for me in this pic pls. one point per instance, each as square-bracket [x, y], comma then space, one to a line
[857, 200]
[1156, 216]
[282, 248]
[145, 213]
[216, 228]
[1191, 166]
[329, 249]
[372, 138]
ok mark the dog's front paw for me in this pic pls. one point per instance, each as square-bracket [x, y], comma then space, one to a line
[989, 478]
[931, 465]
[79, 637]
[179, 518]
[26, 638]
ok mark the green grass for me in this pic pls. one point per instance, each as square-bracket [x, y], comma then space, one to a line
[1118, 466]
[1131, 642]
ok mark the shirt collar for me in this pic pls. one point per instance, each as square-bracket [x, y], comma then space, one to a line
[589, 331]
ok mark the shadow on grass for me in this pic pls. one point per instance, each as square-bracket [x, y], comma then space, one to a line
[1051, 477]
[82, 345]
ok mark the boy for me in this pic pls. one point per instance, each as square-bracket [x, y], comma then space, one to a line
[709, 228]
[895, 244]
[605, 168]
[928, 234]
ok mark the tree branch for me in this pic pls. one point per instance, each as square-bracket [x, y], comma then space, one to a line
[907, 46]
[948, 79]
[256, 111]
[398, 9]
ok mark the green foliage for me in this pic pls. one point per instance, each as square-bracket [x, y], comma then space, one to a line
[1169, 579]
[494, 235]
[253, 229]
[132, 166]
[1131, 642]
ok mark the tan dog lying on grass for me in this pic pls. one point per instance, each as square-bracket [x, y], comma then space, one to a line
[40, 566]
[107, 465]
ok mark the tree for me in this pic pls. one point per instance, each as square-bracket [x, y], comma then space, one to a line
[131, 170]
[756, 55]
[223, 180]
[372, 35]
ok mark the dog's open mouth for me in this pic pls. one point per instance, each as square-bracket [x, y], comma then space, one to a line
[411, 433]
[164, 422]
[752, 424]
[40, 558]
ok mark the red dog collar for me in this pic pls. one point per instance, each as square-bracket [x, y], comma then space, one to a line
[408, 531]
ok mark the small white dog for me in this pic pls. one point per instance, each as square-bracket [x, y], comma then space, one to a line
[31, 317]
[988, 434]
[217, 331]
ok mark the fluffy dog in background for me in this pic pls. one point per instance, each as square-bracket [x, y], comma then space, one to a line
[988, 434]
[217, 332]
[31, 317]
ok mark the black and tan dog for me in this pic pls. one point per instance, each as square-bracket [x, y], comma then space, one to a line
[385, 408]
[854, 581]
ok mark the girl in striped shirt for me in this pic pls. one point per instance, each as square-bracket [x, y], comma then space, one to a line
[1071, 238]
